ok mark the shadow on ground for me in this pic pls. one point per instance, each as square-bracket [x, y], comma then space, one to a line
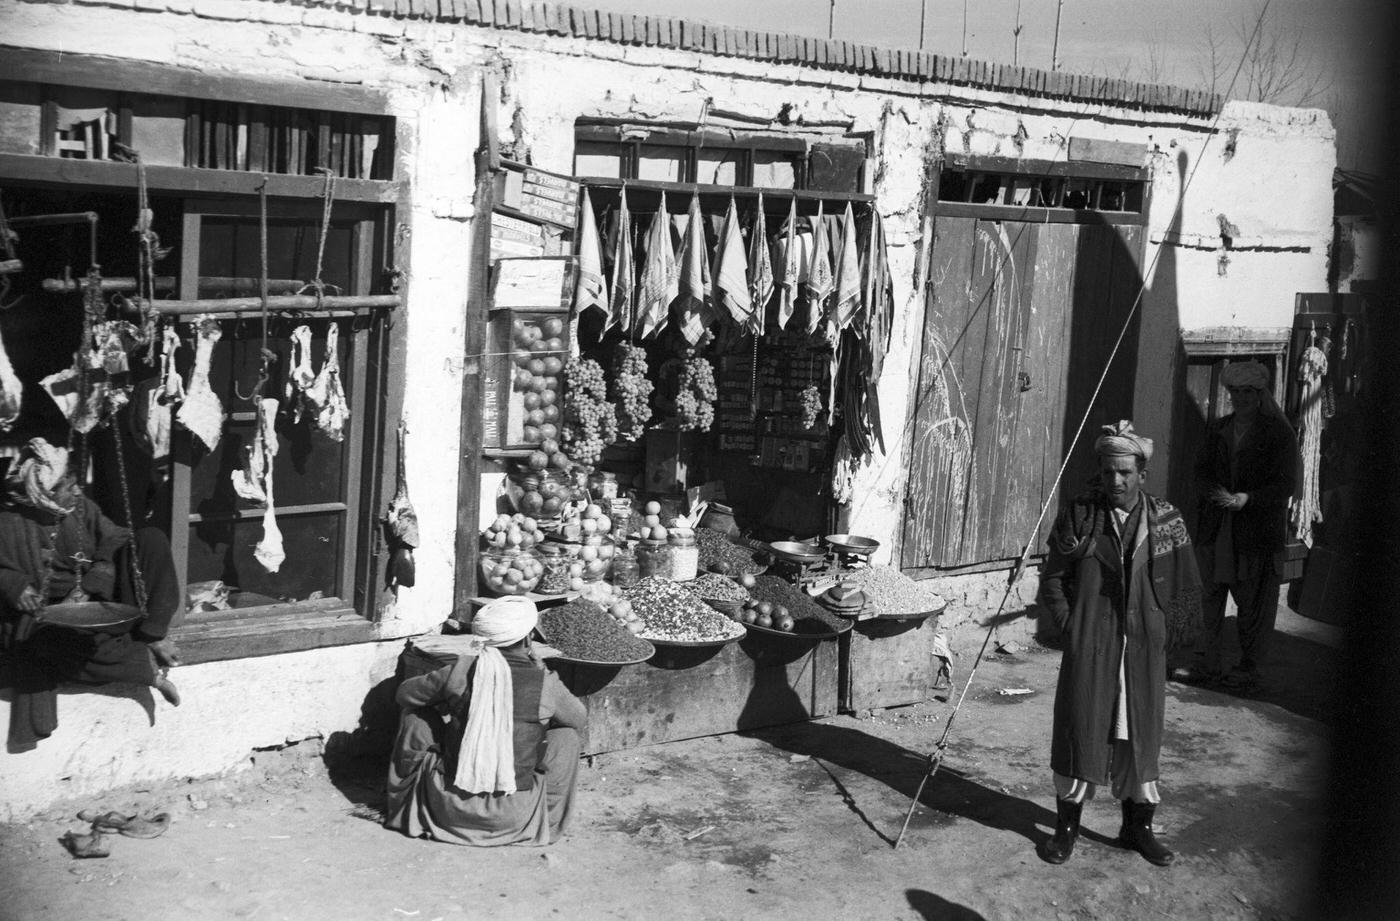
[949, 795]
[1299, 676]
[936, 908]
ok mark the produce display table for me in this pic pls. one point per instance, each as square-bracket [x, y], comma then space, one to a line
[684, 691]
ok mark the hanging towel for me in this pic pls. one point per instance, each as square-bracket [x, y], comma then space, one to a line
[760, 271]
[787, 286]
[694, 306]
[847, 304]
[732, 271]
[660, 281]
[819, 278]
[624, 283]
[878, 295]
[590, 290]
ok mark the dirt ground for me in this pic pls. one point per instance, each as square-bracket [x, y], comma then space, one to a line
[794, 822]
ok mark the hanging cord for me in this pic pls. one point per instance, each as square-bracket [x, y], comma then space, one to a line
[935, 758]
[93, 310]
[266, 355]
[136, 577]
[317, 286]
[147, 244]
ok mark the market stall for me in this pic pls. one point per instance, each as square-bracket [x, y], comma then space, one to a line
[676, 409]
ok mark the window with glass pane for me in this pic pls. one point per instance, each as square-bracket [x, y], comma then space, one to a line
[322, 485]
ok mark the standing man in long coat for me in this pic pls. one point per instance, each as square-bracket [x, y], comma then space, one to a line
[1120, 566]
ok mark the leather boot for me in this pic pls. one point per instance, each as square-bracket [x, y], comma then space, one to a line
[1059, 848]
[1137, 833]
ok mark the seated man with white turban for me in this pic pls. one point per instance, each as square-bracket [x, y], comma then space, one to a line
[502, 770]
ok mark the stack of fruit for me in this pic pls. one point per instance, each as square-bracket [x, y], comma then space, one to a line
[517, 531]
[538, 357]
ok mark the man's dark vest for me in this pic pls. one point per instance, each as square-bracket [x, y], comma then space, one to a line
[527, 681]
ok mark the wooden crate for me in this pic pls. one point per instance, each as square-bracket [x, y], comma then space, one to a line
[888, 663]
[682, 693]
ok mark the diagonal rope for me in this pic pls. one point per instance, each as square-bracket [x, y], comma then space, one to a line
[936, 756]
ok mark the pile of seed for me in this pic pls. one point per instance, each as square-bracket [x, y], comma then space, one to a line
[716, 547]
[714, 587]
[583, 631]
[892, 593]
[777, 590]
[672, 614]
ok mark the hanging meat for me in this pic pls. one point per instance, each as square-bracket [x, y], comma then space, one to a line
[269, 552]
[11, 391]
[325, 395]
[402, 522]
[172, 387]
[202, 413]
[300, 376]
[249, 481]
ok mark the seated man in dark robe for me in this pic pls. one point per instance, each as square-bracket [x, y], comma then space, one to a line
[502, 770]
[56, 546]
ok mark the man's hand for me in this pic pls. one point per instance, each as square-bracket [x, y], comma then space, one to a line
[1233, 502]
[30, 600]
[1221, 497]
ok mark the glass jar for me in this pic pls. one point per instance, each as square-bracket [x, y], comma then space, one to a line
[596, 554]
[653, 558]
[685, 556]
[542, 494]
[625, 570]
[603, 485]
[556, 559]
[510, 571]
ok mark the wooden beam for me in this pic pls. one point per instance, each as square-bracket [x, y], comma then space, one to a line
[99, 174]
[26, 65]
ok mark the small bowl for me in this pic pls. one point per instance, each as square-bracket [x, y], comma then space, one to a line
[729, 609]
[850, 543]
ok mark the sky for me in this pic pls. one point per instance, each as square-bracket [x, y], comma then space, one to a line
[1120, 38]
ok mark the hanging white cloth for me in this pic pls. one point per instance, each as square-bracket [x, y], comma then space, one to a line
[269, 552]
[1307, 511]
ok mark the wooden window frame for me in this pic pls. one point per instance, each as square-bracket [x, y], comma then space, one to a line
[295, 626]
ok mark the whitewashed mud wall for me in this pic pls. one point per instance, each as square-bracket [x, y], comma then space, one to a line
[1275, 188]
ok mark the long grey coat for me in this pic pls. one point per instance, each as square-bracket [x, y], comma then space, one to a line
[1083, 585]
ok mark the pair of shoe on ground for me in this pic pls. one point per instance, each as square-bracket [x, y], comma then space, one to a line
[92, 844]
[1135, 835]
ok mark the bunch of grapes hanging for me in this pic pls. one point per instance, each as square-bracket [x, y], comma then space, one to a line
[811, 405]
[631, 390]
[695, 395]
[590, 421]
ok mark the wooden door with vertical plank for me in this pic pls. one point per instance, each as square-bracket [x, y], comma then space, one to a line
[1019, 322]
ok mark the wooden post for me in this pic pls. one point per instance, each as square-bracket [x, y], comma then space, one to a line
[488, 161]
